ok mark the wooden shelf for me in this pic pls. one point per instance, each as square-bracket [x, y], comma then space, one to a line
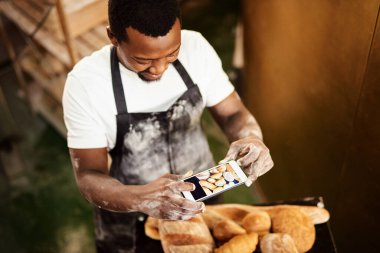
[49, 72]
[82, 17]
[47, 60]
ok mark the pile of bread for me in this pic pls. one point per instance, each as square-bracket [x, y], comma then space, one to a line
[237, 228]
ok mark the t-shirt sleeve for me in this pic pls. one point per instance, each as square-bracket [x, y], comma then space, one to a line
[216, 82]
[83, 129]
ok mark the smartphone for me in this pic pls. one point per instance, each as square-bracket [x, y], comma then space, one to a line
[214, 181]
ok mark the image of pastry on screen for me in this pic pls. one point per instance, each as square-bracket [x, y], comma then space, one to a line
[218, 179]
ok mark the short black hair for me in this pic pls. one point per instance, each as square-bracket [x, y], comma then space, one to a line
[150, 17]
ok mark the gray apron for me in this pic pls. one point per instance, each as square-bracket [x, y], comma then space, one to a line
[149, 145]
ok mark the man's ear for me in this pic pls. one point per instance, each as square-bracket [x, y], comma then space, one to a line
[112, 37]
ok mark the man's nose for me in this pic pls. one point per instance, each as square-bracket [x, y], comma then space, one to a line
[158, 66]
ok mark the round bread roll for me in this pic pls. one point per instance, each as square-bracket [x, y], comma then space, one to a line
[220, 182]
[258, 222]
[228, 176]
[297, 224]
[277, 243]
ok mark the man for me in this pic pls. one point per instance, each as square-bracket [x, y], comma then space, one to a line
[140, 100]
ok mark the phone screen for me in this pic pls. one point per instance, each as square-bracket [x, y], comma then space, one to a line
[213, 181]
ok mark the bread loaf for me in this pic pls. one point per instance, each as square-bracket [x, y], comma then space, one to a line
[277, 243]
[258, 221]
[234, 213]
[292, 225]
[226, 229]
[185, 236]
[212, 218]
[151, 228]
[237, 212]
[240, 244]
[195, 248]
[317, 215]
[297, 224]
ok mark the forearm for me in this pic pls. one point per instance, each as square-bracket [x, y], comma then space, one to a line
[160, 198]
[241, 125]
[235, 119]
[244, 134]
[106, 192]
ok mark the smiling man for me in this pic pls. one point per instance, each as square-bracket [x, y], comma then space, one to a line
[140, 100]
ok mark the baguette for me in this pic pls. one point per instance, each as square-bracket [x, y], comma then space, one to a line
[234, 213]
[237, 212]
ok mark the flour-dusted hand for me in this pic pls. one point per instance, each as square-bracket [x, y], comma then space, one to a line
[162, 199]
[252, 155]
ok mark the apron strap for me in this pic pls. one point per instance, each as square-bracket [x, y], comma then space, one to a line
[183, 73]
[117, 85]
[118, 90]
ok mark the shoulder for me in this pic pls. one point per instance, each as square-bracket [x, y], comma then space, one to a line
[96, 65]
[193, 41]
[191, 36]
[90, 77]
[195, 51]
[92, 73]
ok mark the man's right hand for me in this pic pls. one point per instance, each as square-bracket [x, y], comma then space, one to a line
[162, 199]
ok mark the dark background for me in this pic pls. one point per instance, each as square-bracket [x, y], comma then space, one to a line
[313, 82]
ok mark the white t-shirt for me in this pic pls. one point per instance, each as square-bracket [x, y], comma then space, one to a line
[88, 99]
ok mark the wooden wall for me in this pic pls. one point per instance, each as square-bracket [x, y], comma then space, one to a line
[312, 79]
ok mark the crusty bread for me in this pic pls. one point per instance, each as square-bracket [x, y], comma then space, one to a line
[226, 229]
[317, 215]
[235, 212]
[277, 243]
[228, 221]
[212, 218]
[297, 224]
[245, 243]
[185, 233]
[258, 221]
[195, 248]
[151, 228]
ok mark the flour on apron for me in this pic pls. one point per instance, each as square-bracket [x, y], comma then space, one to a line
[149, 145]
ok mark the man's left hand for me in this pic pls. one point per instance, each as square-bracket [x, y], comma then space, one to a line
[252, 155]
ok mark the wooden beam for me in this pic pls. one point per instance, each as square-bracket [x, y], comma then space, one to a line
[44, 38]
[66, 32]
